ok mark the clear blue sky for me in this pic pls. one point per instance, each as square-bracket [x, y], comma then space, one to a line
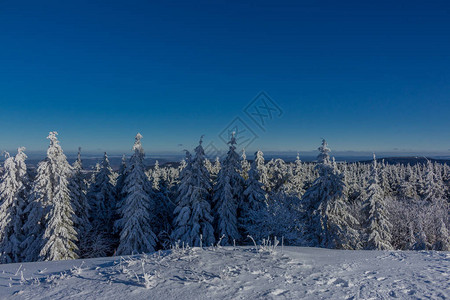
[366, 75]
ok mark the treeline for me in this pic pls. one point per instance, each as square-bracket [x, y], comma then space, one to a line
[61, 212]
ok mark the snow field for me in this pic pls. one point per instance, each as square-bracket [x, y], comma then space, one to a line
[235, 273]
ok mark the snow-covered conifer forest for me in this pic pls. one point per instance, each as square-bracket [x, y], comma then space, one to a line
[60, 211]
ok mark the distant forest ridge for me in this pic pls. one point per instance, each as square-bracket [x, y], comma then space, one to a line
[173, 160]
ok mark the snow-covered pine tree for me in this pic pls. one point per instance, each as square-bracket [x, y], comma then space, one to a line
[433, 188]
[217, 166]
[437, 223]
[78, 188]
[442, 242]
[245, 165]
[385, 181]
[13, 188]
[193, 219]
[209, 166]
[22, 172]
[102, 198]
[156, 176]
[297, 180]
[49, 229]
[254, 211]
[407, 188]
[262, 170]
[121, 175]
[278, 173]
[283, 218]
[163, 210]
[136, 212]
[378, 227]
[228, 196]
[60, 236]
[420, 237]
[37, 207]
[326, 215]
[95, 171]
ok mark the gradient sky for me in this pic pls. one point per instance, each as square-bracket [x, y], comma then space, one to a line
[365, 75]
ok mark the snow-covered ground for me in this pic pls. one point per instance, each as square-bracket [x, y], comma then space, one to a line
[235, 273]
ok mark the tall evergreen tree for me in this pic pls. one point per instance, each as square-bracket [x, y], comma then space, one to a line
[163, 211]
[193, 219]
[326, 214]
[209, 166]
[254, 211]
[262, 170]
[122, 174]
[228, 196]
[49, 228]
[102, 198]
[433, 188]
[245, 165]
[442, 242]
[407, 188]
[216, 167]
[60, 235]
[78, 189]
[22, 172]
[136, 212]
[156, 176]
[297, 180]
[13, 188]
[378, 226]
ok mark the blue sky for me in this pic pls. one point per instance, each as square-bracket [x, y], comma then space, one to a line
[365, 76]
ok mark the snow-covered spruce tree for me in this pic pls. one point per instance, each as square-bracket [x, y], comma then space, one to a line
[209, 166]
[193, 219]
[326, 216]
[420, 237]
[95, 171]
[407, 189]
[136, 212]
[22, 172]
[245, 165]
[378, 227]
[402, 234]
[262, 170]
[102, 198]
[228, 196]
[297, 180]
[385, 180]
[163, 210]
[278, 174]
[254, 212]
[156, 176]
[436, 224]
[13, 188]
[78, 188]
[121, 175]
[49, 229]
[216, 168]
[283, 218]
[37, 207]
[60, 235]
[442, 242]
[433, 188]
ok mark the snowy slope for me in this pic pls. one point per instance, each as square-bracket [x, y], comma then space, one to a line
[235, 273]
